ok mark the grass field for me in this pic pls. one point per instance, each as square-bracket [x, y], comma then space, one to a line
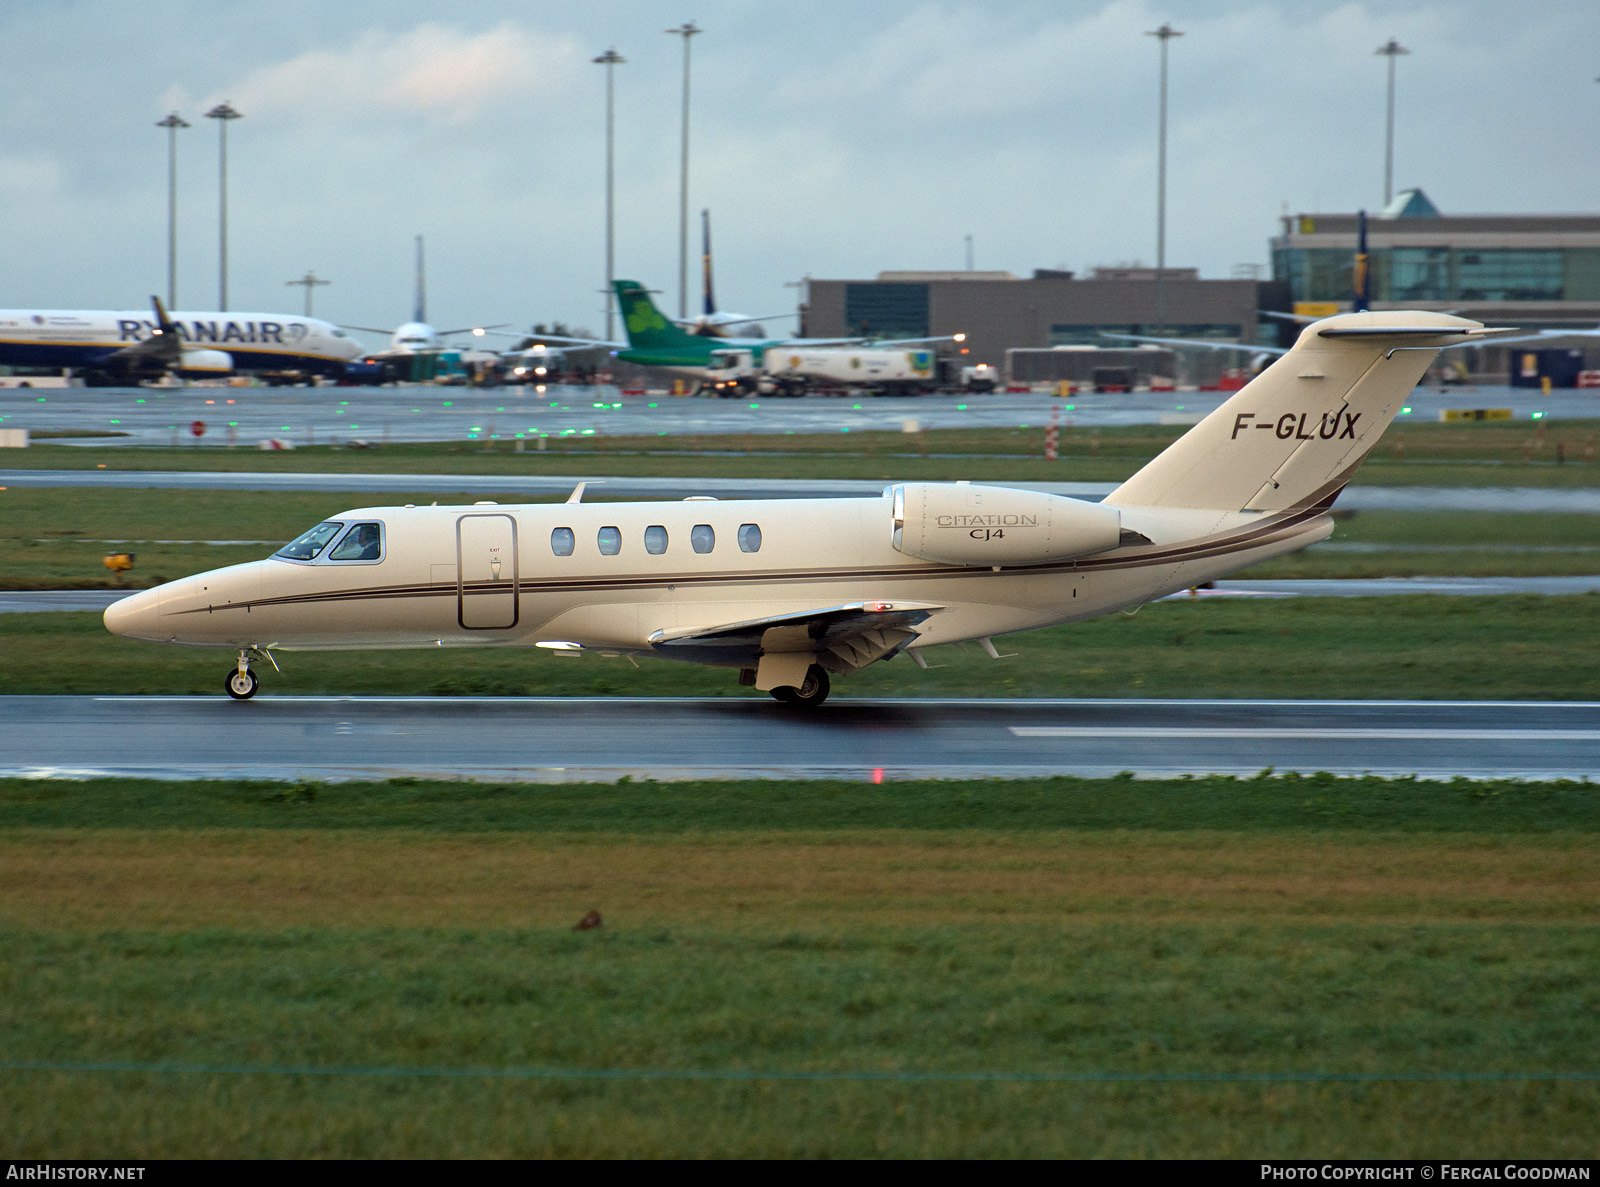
[1488, 453]
[1411, 646]
[1229, 948]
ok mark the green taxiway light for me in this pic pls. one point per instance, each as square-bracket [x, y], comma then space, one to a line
[857, 407]
[1405, 410]
[116, 422]
[650, 405]
[588, 432]
[476, 429]
[499, 409]
[232, 424]
[961, 407]
[138, 401]
[755, 405]
[1070, 407]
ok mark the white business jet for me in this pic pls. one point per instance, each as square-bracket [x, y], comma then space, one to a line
[789, 592]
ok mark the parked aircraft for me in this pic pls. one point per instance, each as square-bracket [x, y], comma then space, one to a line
[712, 322]
[790, 592]
[416, 336]
[127, 346]
[654, 340]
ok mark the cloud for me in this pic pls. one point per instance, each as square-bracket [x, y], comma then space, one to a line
[432, 72]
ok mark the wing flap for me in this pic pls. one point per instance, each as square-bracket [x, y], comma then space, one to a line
[842, 637]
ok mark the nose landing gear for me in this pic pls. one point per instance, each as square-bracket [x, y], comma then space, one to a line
[242, 683]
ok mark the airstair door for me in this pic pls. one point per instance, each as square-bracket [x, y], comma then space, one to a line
[486, 567]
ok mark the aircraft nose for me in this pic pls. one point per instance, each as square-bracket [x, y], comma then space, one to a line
[135, 616]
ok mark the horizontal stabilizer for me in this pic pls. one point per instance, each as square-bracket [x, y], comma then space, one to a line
[1292, 437]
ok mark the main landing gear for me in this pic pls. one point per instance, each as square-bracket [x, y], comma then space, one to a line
[242, 682]
[812, 692]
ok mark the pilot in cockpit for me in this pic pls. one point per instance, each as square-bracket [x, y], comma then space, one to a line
[364, 543]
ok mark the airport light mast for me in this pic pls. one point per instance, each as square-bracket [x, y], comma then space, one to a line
[172, 123]
[222, 113]
[309, 281]
[1392, 50]
[686, 31]
[1166, 33]
[610, 59]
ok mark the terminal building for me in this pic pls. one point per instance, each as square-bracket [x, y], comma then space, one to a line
[1008, 320]
[1536, 271]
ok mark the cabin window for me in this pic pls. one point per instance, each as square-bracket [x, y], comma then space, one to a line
[702, 538]
[655, 539]
[306, 547]
[562, 541]
[363, 542]
[610, 541]
[749, 537]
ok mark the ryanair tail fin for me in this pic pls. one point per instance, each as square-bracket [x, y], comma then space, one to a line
[1295, 434]
[648, 328]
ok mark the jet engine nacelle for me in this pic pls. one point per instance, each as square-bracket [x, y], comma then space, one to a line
[209, 361]
[960, 524]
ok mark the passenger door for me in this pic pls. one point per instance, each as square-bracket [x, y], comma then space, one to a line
[487, 586]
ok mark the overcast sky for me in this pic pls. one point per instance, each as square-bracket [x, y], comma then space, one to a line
[829, 139]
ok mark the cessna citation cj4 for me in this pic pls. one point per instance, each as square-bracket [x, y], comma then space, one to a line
[789, 591]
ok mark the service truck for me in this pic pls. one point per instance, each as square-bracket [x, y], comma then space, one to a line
[793, 370]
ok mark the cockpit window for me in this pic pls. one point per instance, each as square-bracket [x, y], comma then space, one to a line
[307, 546]
[364, 542]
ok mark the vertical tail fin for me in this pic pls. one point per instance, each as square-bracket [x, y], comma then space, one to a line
[1361, 275]
[705, 264]
[1293, 436]
[647, 327]
[420, 313]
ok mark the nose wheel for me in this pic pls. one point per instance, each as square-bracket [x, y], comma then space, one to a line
[242, 682]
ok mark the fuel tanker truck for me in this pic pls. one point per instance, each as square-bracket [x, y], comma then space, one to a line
[793, 371]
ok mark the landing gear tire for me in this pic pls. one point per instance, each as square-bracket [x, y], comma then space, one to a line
[241, 686]
[811, 693]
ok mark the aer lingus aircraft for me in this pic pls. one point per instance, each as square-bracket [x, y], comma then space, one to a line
[655, 340]
[789, 592]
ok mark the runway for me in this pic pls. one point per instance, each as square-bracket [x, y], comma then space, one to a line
[604, 739]
[309, 415]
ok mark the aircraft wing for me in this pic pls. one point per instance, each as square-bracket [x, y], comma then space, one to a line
[164, 346]
[1546, 335]
[474, 329]
[1202, 343]
[844, 637]
[802, 343]
[565, 341]
[367, 329]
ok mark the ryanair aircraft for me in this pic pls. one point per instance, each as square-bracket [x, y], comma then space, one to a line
[791, 592]
[108, 347]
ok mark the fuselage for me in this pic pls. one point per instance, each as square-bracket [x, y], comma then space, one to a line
[85, 338]
[617, 577]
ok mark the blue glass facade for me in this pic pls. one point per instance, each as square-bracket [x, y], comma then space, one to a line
[1400, 274]
[887, 310]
